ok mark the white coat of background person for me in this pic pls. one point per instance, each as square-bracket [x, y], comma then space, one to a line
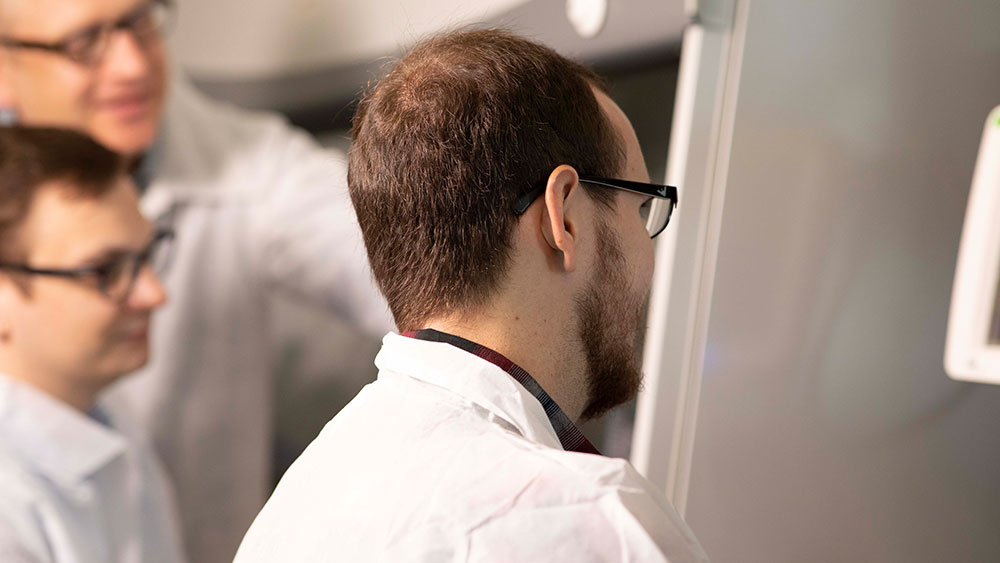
[256, 205]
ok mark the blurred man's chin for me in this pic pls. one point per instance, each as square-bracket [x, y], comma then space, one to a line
[117, 370]
[130, 360]
[130, 139]
[131, 144]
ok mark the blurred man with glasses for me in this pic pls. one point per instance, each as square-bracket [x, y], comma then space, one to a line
[77, 290]
[257, 208]
[508, 218]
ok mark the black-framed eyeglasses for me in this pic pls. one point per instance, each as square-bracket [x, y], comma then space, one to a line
[116, 277]
[88, 46]
[656, 212]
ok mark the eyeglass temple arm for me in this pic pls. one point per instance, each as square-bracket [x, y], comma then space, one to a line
[524, 202]
[47, 271]
[653, 190]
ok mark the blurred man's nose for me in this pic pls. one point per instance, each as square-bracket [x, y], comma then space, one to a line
[127, 57]
[148, 292]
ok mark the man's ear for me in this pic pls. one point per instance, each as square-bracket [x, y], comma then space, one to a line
[561, 215]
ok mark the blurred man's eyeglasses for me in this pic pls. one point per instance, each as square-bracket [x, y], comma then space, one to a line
[655, 212]
[88, 46]
[115, 277]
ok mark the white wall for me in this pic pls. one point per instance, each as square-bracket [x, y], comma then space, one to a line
[827, 430]
[262, 39]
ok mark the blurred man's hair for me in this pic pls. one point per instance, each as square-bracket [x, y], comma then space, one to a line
[442, 147]
[33, 158]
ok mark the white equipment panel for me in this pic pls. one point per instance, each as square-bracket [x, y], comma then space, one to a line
[972, 351]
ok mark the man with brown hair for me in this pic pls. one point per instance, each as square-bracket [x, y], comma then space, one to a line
[507, 216]
[76, 294]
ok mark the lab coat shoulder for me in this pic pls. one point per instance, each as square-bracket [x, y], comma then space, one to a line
[590, 508]
[206, 143]
[491, 494]
[418, 471]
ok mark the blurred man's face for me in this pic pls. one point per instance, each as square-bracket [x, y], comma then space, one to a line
[116, 99]
[66, 332]
[610, 309]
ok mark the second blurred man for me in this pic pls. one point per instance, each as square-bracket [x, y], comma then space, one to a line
[256, 207]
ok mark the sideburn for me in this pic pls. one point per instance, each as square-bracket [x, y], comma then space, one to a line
[610, 318]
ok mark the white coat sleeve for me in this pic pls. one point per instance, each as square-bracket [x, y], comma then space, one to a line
[308, 242]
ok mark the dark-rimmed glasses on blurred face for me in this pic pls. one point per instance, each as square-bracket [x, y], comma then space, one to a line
[116, 276]
[87, 46]
[656, 211]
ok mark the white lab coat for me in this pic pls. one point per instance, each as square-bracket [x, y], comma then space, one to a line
[447, 458]
[76, 489]
[257, 206]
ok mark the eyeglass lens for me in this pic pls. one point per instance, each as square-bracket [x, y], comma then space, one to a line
[659, 215]
[144, 23]
[119, 277]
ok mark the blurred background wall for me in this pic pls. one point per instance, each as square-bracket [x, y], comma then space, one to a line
[827, 429]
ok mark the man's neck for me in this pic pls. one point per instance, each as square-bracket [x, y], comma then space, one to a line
[62, 388]
[539, 346]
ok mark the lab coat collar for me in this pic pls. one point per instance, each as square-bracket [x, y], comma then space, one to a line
[57, 440]
[471, 377]
[149, 162]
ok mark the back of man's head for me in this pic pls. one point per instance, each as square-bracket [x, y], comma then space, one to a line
[443, 146]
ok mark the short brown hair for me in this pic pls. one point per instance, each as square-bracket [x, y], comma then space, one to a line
[442, 147]
[32, 157]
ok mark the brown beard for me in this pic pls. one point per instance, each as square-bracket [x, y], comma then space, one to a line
[610, 321]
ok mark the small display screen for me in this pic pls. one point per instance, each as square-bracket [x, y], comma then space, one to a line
[995, 322]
